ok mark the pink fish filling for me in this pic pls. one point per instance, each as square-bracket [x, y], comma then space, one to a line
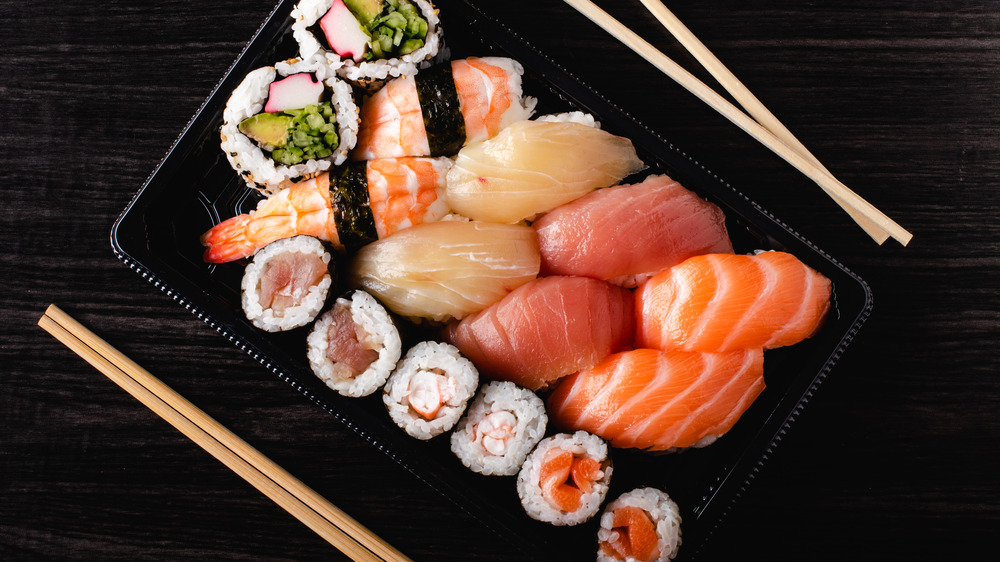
[287, 279]
[344, 344]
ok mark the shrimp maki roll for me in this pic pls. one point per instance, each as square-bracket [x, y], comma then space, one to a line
[354, 346]
[502, 425]
[442, 108]
[428, 391]
[288, 121]
[368, 41]
[565, 479]
[642, 525]
[286, 284]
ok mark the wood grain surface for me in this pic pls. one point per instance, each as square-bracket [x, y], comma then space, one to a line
[895, 457]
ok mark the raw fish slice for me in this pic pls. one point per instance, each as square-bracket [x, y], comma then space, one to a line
[721, 302]
[649, 399]
[447, 269]
[628, 233]
[547, 328]
[534, 166]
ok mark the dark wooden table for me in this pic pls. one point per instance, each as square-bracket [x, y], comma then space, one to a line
[896, 456]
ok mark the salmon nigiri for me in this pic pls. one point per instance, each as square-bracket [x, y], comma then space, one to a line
[721, 302]
[547, 328]
[358, 204]
[649, 399]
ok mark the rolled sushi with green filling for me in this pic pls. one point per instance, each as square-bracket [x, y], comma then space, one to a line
[288, 122]
[368, 41]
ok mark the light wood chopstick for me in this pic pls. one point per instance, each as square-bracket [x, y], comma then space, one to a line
[328, 521]
[850, 201]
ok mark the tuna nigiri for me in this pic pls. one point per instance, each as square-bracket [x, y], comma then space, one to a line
[720, 302]
[547, 328]
[649, 399]
[629, 233]
[362, 202]
[448, 269]
[534, 166]
[442, 108]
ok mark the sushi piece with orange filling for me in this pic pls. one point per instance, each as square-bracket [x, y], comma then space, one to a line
[643, 525]
[565, 478]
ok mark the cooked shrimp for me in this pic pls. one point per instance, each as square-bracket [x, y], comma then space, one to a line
[495, 430]
[428, 391]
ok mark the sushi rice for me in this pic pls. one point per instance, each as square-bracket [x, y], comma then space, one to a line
[529, 486]
[308, 301]
[255, 166]
[367, 74]
[429, 389]
[375, 331]
[502, 425]
[662, 512]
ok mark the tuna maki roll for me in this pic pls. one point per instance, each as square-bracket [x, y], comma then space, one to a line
[286, 284]
[354, 346]
[289, 121]
[644, 524]
[502, 425]
[428, 391]
[565, 479]
[368, 41]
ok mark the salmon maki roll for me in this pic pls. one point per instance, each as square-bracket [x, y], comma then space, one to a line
[643, 525]
[546, 329]
[649, 399]
[286, 284]
[565, 478]
[603, 234]
[722, 302]
[357, 204]
[440, 109]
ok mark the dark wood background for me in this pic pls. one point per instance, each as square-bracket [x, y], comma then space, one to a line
[896, 456]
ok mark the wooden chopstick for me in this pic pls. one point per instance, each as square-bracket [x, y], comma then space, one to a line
[749, 102]
[328, 521]
[850, 201]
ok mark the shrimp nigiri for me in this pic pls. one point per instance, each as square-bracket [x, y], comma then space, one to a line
[437, 111]
[362, 203]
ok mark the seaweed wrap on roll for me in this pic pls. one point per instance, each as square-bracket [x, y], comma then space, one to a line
[565, 478]
[354, 346]
[428, 392]
[501, 426]
[286, 122]
[368, 41]
[286, 284]
[643, 525]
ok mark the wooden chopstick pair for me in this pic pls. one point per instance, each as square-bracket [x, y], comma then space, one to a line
[335, 526]
[766, 128]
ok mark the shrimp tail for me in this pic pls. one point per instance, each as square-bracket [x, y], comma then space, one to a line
[227, 241]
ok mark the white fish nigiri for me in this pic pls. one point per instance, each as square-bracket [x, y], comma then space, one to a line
[531, 167]
[447, 269]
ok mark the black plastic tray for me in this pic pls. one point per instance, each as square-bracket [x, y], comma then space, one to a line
[194, 187]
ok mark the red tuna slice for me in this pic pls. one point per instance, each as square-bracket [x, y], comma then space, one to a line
[546, 329]
[629, 233]
[294, 92]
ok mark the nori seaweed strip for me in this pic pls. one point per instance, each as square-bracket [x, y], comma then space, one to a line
[351, 207]
[441, 109]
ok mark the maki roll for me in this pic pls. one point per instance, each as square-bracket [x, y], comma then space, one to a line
[442, 108]
[288, 121]
[429, 389]
[368, 41]
[642, 525]
[565, 479]
[502, 425]
[348, 207]
[286, 284]
[354, 346]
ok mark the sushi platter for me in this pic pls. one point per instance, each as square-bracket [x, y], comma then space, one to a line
[198, 187]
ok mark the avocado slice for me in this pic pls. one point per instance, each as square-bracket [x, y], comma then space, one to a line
[365, 10]
[267, 128]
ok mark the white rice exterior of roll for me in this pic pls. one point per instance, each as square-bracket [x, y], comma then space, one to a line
[529, 412]
[376, 331]
[580, 443]
[253, 164]
[307, 12]
[293, 317]
[662, 510]
[430, 356]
